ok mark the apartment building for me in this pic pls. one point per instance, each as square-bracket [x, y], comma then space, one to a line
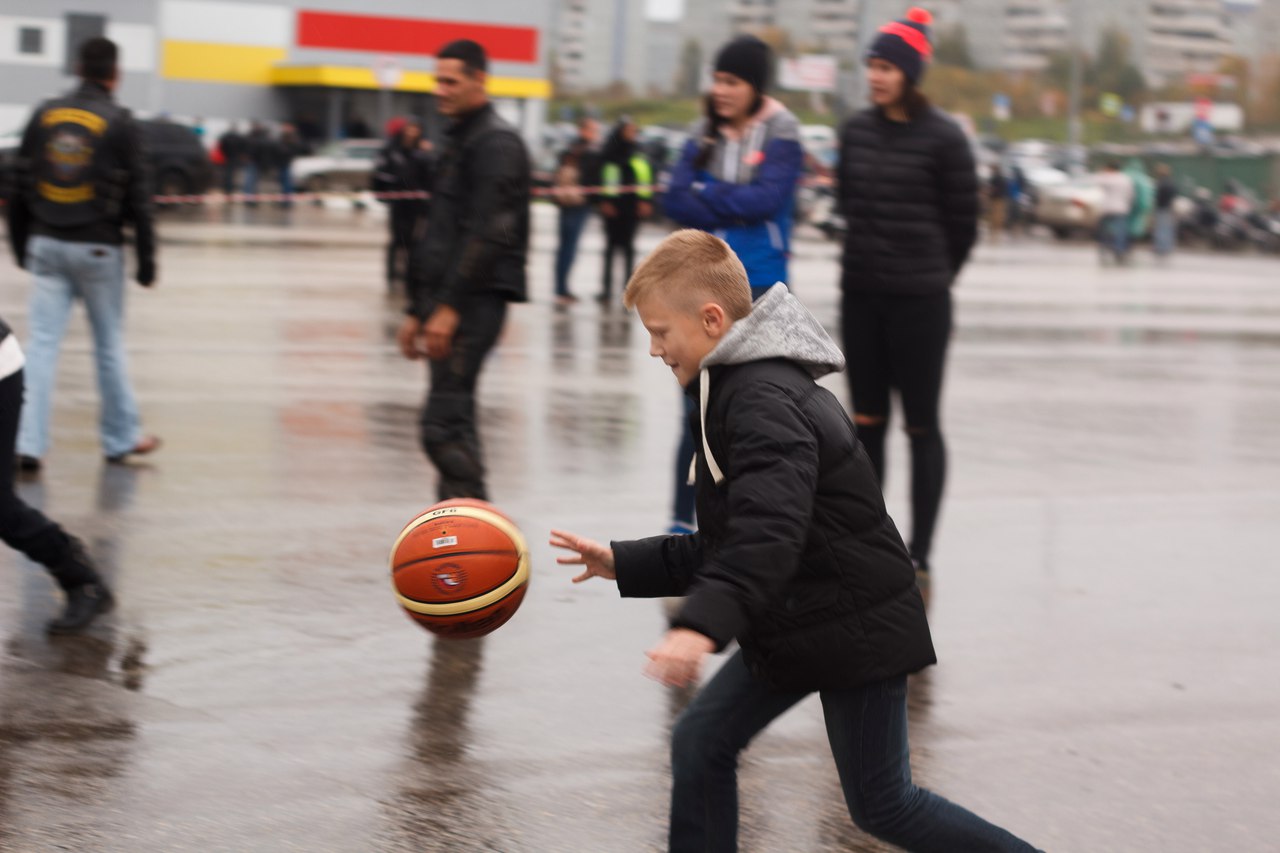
[599, 43]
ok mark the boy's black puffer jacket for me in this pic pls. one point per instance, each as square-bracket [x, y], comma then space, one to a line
[795, 556]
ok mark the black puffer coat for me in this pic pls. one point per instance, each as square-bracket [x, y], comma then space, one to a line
[795, 556]
[909, 195]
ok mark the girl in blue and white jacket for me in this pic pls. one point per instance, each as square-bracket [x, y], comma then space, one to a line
[737, 177]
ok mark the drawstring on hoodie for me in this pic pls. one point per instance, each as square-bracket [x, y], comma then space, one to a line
[777, 327]
[704, 391]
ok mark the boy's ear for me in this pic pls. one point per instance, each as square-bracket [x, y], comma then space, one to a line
[714, 319]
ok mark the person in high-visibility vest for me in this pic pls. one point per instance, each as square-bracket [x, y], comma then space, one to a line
[626, 180]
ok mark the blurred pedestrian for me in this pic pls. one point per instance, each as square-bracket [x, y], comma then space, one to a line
[909, 191]
[1117, 202]
[1165, 229]
[85, 176]
[357, 128]
[259, 157]
[625, 192]
[288, 147]
[997, 203]
[737, 179]
[1142, 210]
[577, 171]
[231, 146]
[1016, 192]
[471, 264]
[404, 166]
[26, 529]
[574, 204]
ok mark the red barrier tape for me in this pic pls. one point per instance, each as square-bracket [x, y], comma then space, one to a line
[537, 192]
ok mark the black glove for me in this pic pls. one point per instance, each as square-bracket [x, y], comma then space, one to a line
[146, 273]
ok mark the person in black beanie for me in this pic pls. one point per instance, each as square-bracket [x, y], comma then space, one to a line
[908, 189]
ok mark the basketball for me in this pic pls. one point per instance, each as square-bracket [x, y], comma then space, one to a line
[460, 569]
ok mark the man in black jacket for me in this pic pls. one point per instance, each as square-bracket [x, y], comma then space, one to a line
[82, 176]
[404, 166]
[471, 264]
[232, 146]
[795, 558]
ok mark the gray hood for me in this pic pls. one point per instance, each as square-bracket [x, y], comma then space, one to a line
[777, 327]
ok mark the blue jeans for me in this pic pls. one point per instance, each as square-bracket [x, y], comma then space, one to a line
[1113, 234]
[572, 221]
[94, 273]
[286, 182]
[1164, 232]
[867, 730]
[251, 180]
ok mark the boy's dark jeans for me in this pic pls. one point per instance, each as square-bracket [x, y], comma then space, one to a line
[867, 730]
[449, 435]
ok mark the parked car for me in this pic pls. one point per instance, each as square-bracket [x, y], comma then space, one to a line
[346, 165]
[180, 165]
[1069, 209]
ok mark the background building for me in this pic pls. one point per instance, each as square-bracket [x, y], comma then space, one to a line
[1168, 39]
[601, 43]
[327, 64]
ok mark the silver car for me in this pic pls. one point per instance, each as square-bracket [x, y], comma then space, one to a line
[343, 166]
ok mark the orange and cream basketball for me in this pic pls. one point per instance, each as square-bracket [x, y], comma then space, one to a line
[460, 569]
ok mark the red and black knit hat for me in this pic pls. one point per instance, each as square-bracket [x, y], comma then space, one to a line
[906, 43]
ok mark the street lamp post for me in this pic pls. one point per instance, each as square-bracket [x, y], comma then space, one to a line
[1073, 93]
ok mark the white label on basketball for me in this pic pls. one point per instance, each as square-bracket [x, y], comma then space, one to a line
[444, 541]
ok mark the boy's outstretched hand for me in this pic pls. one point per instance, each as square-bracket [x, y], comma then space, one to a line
[597, 559]
[677, 660]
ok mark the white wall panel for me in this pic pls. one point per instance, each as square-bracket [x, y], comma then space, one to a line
[228, 22]
[137, 43]
[54, 44]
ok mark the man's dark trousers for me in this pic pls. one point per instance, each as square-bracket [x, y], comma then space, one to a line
[449, 434]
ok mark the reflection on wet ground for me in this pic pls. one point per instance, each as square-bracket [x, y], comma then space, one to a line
[1103, 611]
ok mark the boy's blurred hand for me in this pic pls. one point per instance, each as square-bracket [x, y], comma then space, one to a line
[597, 559]
[677, 660]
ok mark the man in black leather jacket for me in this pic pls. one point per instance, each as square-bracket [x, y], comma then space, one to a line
[81, 176]
[469, 266]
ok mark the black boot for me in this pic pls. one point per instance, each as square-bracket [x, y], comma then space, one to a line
[87, 594]
[84, 604]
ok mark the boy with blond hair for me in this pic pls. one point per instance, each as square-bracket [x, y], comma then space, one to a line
[795, 558]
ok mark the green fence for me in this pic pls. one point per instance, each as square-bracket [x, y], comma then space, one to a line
[1257, 172]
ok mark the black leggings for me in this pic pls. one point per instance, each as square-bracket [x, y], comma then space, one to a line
[22, 527]
[899, 343]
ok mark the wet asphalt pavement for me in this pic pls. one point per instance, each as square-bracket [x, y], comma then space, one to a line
[1105, 603]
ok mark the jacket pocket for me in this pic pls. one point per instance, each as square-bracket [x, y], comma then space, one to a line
[801, 606]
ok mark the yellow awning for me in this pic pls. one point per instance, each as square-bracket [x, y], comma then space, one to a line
[360, 77]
